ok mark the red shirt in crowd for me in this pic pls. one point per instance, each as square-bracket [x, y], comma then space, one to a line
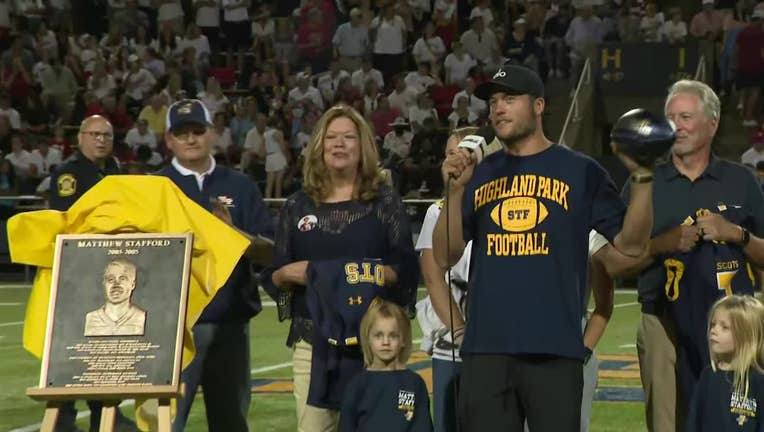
[750, 45]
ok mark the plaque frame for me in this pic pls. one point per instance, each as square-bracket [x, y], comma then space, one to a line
[44, 391]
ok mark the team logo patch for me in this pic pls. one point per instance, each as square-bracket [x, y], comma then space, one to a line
[519, 214]
[185, 108]
[67, 185]
[406, 404]
[307, 223]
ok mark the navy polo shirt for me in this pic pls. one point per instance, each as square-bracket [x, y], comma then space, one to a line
[238, 300]
[529, 220]
[675, 198]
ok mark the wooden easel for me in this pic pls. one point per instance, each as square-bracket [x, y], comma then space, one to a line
[111, 396]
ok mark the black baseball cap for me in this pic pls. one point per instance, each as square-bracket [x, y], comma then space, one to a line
[512, 79]
[187, 111]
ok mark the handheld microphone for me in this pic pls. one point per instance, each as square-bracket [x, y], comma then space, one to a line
[478, 143]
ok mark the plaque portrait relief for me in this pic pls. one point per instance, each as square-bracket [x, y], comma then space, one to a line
[118, 316]
[117, 311]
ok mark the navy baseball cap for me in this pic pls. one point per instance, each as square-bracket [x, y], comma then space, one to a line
[512, 79]
[187, 111]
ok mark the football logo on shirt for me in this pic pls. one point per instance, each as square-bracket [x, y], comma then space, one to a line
[406, 404]
[523, 206]
[307, 223]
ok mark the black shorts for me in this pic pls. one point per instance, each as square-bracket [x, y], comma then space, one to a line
[238, 34]
[749, 79]
[500, 392]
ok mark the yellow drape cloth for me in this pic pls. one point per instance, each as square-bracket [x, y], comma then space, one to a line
[126, 204]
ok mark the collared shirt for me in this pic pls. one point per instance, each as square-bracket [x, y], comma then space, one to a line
[198, 176]
[675, 198]
[72, 179]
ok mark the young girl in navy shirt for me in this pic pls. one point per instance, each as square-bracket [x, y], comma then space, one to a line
[386, 396]
[729, 393]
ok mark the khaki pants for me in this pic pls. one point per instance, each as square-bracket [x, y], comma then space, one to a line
[309, 418]
[656, 346]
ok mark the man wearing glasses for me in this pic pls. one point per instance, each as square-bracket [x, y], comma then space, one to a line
[221, 334]
[90, 164]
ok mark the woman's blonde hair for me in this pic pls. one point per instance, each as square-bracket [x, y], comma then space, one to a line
[746, 316]
[316, 179]
[384, 309]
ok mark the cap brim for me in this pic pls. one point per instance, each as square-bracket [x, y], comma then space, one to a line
[486, 89]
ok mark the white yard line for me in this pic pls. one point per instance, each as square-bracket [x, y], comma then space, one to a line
[627, 346]
[9, 324]
[2, 287]
[620, 305]
[12, 304]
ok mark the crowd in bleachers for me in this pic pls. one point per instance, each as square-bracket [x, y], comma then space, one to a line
[268, 70]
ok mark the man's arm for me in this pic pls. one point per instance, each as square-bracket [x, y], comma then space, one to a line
[633, 239]
[456, 170]
[440, 296]
[602, 289]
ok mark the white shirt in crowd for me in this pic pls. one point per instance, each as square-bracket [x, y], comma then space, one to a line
[43, 163]
[752, 157]
[400, 145]
[673, 32]
[169, 11]
[403, 100]
[418, 115]
[295, 95]
[139, 84]
[453, 118]
[475, 103]
[418, 82]
[254, 139]
[389, 39]
[201, 45]
[208, 16]
[135, 139]
[235, 14]
[21, 162]
[328, 84]
[213, 103]
[360, 77]
[428, 50]
[223, 140]
[458, 68]
[480, 46]
[264, 30]
[14, 118]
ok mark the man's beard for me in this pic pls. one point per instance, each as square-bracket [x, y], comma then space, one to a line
[525, 132]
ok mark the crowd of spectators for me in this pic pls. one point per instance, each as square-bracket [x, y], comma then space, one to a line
[268, 70]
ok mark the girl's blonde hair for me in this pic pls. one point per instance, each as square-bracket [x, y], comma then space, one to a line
[317, 182]
[384, 309]
[746, 316]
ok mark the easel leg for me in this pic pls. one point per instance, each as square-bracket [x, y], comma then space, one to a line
[163, 416]
[108, 416]
[49, 420]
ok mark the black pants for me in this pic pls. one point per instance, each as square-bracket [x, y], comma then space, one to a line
[500, 392]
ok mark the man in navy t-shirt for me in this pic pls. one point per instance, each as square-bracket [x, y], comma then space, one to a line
[528, 211]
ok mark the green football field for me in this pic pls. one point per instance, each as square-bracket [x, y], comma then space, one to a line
[618, 404]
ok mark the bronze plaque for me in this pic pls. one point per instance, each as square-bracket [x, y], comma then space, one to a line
[117, 311]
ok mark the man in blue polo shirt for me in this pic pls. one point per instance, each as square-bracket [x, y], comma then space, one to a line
[221, 335]
[528, 211]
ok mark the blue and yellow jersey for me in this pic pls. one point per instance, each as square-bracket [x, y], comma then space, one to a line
[338, 294]
[529, 220]
[695, 280]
